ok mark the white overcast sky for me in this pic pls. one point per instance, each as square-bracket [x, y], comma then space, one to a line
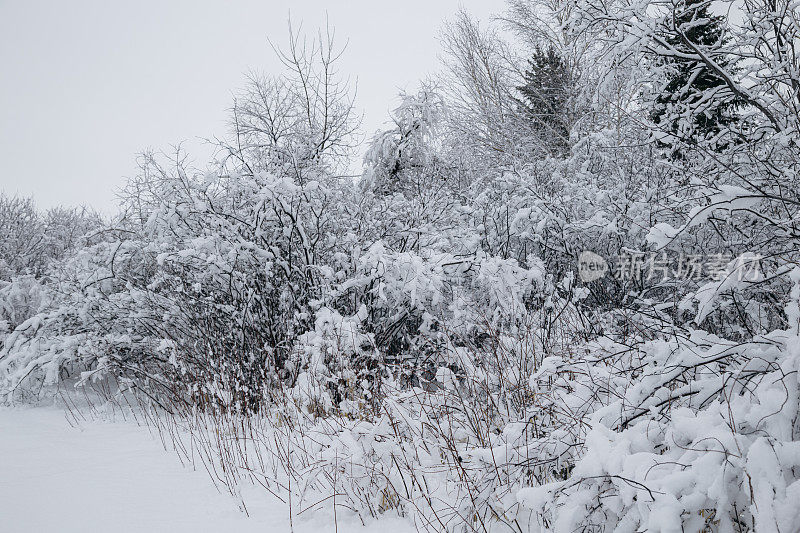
[88, 84]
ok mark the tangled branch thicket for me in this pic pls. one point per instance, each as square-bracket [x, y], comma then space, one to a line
[419, 342]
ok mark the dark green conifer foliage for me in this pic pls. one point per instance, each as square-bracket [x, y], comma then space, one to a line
[546, 98]
[682, 107]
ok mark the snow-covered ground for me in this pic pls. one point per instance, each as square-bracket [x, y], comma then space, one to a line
[115, 477]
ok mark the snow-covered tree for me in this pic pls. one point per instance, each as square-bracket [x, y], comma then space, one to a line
[546, 96]
[695, 101]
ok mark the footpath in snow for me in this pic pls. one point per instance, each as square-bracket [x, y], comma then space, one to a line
[116, 477]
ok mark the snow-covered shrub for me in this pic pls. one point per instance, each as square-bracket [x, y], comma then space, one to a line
[701, 436]
[20, 299]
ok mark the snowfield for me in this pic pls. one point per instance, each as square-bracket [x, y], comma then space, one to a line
[117, 477]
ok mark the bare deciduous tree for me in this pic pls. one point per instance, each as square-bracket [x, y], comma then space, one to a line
[300, 118]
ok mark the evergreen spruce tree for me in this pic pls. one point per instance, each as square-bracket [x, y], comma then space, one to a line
[545, 97]
[689, 80]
